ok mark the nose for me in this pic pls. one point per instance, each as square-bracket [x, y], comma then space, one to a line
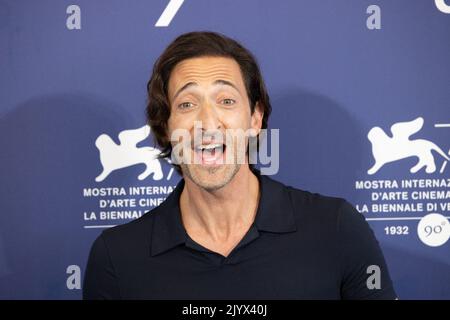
[209, 117]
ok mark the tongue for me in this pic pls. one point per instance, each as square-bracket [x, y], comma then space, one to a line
[211, 156]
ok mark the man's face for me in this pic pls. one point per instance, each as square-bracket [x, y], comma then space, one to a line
[210, 90]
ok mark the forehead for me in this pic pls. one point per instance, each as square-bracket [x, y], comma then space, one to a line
[204, 70]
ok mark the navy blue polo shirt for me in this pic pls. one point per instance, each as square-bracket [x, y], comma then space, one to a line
[301, 245]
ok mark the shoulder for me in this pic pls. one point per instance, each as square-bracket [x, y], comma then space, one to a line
[337, 222]
[324, 209]
[307, 199]
[132, 234]
[335, 217]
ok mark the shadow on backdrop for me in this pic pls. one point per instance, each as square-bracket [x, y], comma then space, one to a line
[315, 134]
[48, 154]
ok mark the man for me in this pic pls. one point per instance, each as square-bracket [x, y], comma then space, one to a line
[226, 231]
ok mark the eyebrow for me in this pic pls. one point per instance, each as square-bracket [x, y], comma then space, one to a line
[217, 82]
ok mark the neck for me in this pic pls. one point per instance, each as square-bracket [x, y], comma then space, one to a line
[220, 214]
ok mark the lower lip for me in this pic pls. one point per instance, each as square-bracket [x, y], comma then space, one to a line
[216, 158]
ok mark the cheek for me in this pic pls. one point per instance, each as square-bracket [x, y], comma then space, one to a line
[177, 121]
[179, 127]
[240, 119]
[172, 125]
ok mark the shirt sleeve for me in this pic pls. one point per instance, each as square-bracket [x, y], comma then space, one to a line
[100, 281]
[364, 272]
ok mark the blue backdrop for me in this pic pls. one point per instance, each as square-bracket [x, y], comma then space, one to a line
[71, 71]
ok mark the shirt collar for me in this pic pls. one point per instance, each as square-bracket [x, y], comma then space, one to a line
[275, 214]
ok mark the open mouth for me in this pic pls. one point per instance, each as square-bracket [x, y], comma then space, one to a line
[210, 154]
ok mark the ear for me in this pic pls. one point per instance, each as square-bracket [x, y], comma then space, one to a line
[257, 117]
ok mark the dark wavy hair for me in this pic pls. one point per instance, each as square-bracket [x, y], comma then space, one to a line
[192, 45]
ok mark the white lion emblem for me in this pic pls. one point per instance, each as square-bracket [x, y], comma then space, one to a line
[117, 156]
[387, 149]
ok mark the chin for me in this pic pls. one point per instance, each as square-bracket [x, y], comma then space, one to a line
[211, 178]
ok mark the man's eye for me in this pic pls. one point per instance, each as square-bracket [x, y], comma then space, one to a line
[228, 102]
[185, 105]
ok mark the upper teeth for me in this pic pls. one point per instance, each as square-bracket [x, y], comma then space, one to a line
[209, 146]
